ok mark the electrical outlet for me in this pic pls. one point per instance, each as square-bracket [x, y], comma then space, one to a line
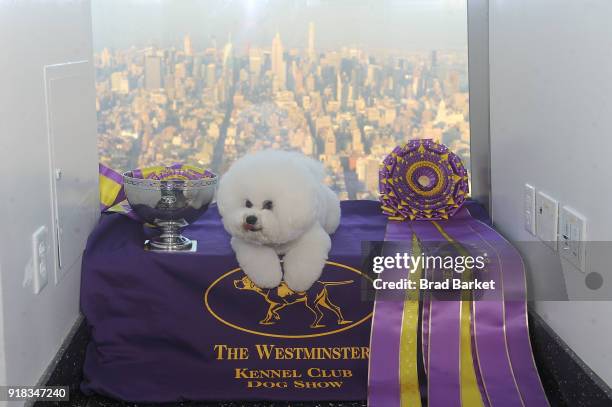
[529, 206]
[40, 251]
[547, 217]
[572, 237]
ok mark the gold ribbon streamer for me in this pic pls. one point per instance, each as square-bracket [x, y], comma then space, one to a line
[410, 393]
[470, 392]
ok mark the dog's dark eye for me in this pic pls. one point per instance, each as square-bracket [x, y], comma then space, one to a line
[248, 204]
[268, 205]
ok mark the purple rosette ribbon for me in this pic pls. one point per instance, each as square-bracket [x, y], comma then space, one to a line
[175, 171]
[422, 180]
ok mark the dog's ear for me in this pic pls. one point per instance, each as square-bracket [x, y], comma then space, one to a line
[303, 204]
[222, 194]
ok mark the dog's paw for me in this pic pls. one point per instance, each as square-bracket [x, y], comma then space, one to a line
[264, 271]
[304, 262]
[264, 277]
[260, 263]
[301, 272]
[301, 281]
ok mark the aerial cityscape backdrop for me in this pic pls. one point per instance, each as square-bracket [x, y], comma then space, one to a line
[347, 106]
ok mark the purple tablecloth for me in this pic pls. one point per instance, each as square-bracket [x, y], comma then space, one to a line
[169, 327]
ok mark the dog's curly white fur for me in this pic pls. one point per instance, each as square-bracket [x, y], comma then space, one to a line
[275, 203]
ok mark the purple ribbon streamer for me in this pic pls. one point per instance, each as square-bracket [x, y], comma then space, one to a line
[425, 329]
[383, 380]
[489, 326]
[443, 339]
[517, 327]
[116, 177]
[501, 329]
[433, 235]
[503, 357]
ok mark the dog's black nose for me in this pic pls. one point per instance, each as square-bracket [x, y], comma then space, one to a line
[251, 219]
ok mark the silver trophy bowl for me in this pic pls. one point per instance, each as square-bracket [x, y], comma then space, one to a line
[169, 205]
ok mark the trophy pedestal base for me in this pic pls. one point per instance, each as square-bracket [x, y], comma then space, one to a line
[192, 249]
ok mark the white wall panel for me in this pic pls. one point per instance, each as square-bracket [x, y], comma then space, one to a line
[35, 34]
[551, 125]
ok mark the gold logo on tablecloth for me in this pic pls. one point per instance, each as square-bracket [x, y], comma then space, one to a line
[278, 311]
[316, 298]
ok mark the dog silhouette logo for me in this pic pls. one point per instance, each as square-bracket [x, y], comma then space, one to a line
[315, 300]
[331, 306]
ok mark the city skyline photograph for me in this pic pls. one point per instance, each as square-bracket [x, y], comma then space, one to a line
[283, 75]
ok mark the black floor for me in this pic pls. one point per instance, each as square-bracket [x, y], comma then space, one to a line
[567, 380]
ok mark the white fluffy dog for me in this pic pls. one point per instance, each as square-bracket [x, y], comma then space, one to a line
[275, 203]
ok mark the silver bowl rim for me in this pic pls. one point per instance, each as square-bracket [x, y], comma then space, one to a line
[170, 183]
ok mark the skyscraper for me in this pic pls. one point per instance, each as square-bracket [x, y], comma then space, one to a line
[278, 63]
[228, 62]
[210, 75]
[357, 143]
[342, 90]
[120, 83]
[153, 72]
[255, 62]
[434, 63]
[228, 52]
[196, 69]
[105, 58]
[311, 40]
[330, 142]
[116, 81]
[187, 47]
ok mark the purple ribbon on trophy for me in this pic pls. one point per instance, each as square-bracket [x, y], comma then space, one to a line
[112, 192]
[474, 347]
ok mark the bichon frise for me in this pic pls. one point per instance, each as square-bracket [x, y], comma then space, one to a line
[275, 203]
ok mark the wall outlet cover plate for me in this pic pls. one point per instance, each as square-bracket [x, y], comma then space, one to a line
[40, 251]
[572, 237]
[547, 217]
[529, 208]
